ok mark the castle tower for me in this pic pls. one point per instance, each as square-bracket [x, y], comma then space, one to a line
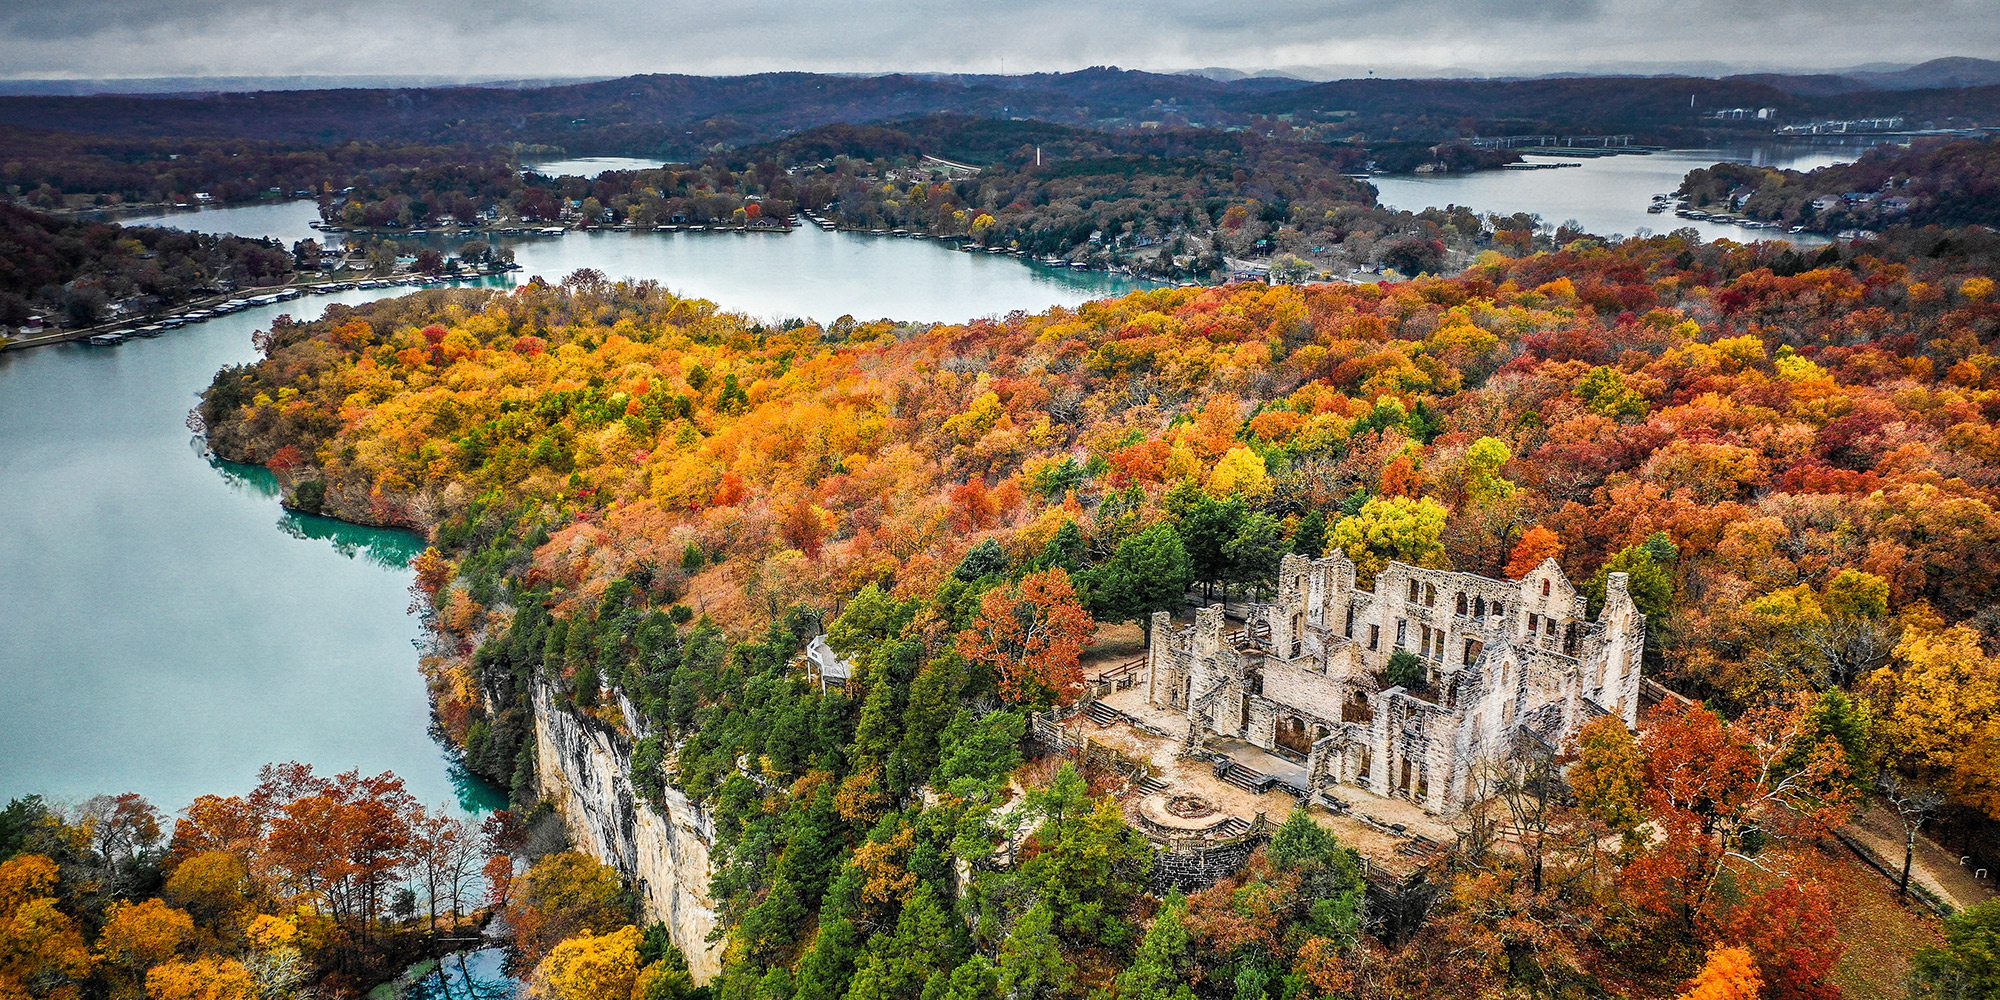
[1624, 646]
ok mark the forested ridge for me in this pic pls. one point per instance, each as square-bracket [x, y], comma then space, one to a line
[1933, 182]
[76, 273]
[680, 116]
[631, 492]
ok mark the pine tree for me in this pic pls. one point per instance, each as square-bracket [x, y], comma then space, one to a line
[1064, 549]
[1149, 572]
[1159, 971]
[1309, 539]
[1031, 961]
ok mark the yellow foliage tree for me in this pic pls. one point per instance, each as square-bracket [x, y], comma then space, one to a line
[22, 878]
[201, 979]
[590, 967]
[1240, 472]
[1392, 528]
[138, 936]
[40, 945]
[1609, 775]
[1729, 974]
[1939, 706]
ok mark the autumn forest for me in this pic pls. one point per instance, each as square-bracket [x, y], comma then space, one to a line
[641, 508]
[789, 643]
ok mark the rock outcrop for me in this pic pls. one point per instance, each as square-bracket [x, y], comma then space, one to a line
[583, 766]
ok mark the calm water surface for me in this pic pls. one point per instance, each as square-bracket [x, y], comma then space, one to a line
[169, 628]
[1607, 195]
[590, 166]
[804, 273]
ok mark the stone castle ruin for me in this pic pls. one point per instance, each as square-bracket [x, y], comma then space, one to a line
[1306, 678]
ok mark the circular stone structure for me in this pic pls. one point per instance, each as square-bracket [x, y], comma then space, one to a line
[1181, 814]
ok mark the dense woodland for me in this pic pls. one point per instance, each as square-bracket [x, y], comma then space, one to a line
[1171, 203]
[309, 882]
[79, 273]
[682, 117]
[645, 506]
[50, 169]
[1931, 183]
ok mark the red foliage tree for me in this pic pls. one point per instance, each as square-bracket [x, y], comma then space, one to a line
[1032, 636]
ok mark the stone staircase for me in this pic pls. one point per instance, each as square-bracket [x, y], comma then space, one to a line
[1104, 715]
[1249, 779]
[1237, 826]
[1152, 786]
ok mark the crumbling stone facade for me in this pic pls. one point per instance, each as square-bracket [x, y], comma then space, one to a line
[1503, 660]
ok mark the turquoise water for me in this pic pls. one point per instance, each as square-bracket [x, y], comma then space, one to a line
[468, 975]
[169, 628]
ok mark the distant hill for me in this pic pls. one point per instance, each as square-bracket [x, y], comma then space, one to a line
[677, 116]
[1936, 74]
[161, 85]
[659, 113]
[1620, 103]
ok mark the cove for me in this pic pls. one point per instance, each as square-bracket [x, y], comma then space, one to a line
[169, 628]
[1608, 195]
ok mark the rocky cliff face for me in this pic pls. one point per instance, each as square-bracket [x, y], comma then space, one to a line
[584, 767]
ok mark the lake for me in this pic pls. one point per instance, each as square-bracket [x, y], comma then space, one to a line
[170, 628]
[1607, 195]
[589, 166]
[806, 273]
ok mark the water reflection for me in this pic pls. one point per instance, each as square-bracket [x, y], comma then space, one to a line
[1606, 195]
[388, 548]
[467, 975]
[385, 548]
[475, 796]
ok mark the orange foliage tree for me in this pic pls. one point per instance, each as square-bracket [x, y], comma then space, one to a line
[1032, 637]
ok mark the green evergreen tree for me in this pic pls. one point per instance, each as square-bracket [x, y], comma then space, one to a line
[932, 703]
[1968, 965]
[978, 751]
[986, 559]
[1310, 538]
[1159, 970]
[776, 984]
[1406, 670]
[1031, 961]
[1091, 865]
[1150, 572]
[1065, 549]
[877, 734]
[1254, 551]
[824, 972]
[976, 978]
[1206, 527]
[871, 618]
[928, 939]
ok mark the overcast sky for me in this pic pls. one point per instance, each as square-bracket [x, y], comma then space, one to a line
[539, 38]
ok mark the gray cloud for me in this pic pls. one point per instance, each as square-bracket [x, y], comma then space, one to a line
[128, 38]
